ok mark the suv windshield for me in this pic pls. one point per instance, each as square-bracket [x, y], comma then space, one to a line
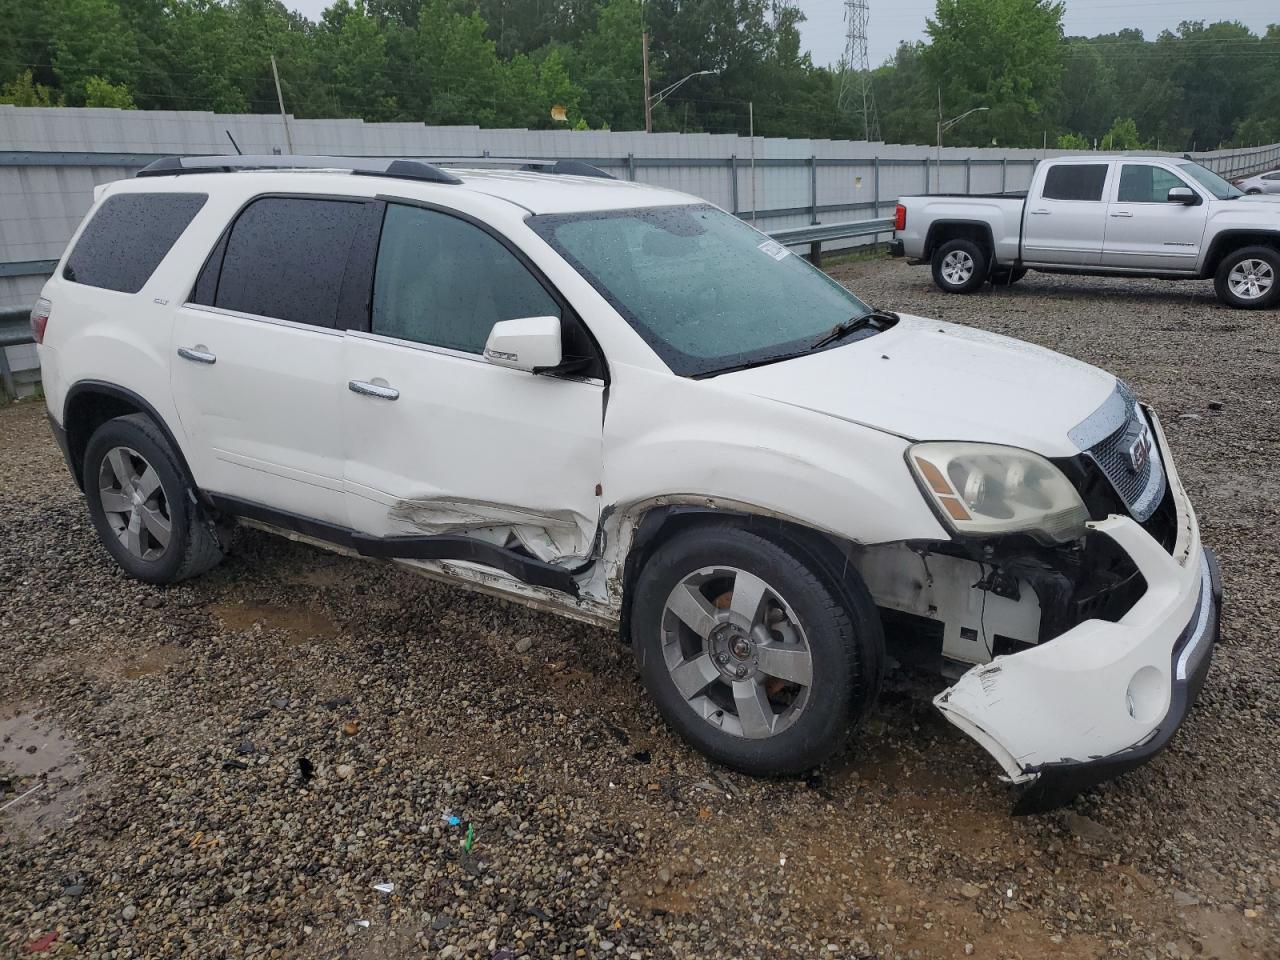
[705, 290]
[1210, 181]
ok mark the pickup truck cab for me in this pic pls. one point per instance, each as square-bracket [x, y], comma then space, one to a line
[1126, 216]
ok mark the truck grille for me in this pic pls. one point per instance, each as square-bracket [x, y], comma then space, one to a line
[1109, 436]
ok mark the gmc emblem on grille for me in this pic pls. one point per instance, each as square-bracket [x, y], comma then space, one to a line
[1140, 451]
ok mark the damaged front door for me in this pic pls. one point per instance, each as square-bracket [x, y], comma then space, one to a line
[440, 441]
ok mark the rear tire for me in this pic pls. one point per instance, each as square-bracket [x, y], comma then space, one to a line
[959, 266]
[143, 506]
[748, 652]
[1249, 278]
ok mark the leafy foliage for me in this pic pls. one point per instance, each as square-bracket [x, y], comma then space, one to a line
[508, 62]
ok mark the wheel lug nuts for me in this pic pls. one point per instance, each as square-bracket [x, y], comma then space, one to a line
[742, 671]
[722, 658]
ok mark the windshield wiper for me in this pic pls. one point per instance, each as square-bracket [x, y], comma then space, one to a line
[880, 319]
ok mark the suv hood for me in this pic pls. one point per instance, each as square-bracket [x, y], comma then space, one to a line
[928, 380]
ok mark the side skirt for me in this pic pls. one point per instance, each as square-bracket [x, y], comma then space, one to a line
[528, 570]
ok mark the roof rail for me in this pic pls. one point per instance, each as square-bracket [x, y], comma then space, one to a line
[564, 168]
[364, 166]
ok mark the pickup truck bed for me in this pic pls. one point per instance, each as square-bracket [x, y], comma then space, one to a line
[1136, 216]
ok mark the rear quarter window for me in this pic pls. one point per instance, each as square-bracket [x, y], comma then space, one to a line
[128, 236]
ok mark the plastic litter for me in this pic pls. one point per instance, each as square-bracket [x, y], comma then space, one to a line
[450, 819]
[471, 838]
[385, 887]
[363, 923]
[42, 943]
[21, 796]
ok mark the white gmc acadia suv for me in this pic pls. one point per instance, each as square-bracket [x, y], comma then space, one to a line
[626, 406]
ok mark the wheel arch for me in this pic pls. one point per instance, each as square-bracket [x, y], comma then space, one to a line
[91, 403]
[943, 231]
[1229, 241]
[826, 552]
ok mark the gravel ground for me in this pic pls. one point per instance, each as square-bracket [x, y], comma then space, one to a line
[228, 767]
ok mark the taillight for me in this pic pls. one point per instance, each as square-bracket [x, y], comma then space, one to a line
[899, 217]
[40, 319]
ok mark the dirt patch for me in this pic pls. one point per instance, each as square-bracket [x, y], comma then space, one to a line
[298, 624]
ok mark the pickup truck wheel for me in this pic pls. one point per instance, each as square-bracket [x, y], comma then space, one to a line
[748, 652]
[959, 266]
[1249, 278]
[140, 503]
[1006, 277]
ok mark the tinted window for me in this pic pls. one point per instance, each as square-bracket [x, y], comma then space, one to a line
[1210, 181]
[286, 257]
[128, 237]
[1075, 181]
[445, 282]
[705, 290]
[1143, 183]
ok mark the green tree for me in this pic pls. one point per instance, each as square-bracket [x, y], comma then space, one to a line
[1006, 55]
[1123, 135]
[22, 92]
[103, 93]
[1072, 141]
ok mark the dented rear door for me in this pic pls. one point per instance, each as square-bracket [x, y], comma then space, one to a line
[437, 439]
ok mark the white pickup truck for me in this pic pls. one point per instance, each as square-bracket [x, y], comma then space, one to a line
[1129, 216]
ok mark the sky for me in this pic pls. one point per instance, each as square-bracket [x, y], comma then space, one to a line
[893, 21]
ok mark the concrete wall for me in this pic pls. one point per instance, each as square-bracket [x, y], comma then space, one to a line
[51, 159]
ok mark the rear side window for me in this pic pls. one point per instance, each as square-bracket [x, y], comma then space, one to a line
[285, 258]
[127, 238]
[1075, 181]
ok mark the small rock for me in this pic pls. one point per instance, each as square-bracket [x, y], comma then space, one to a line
[257, 714]
[351, 728]
[129, 912]
[1086, 829]
[245, 748]
[75, 891]
[345, 771]
[664, 876]
[524, 645]
[968, 949]
[449, 953]
[153, 602]
[280, 704]
[969, 891]
[337, 702]
[1215, 404]
[606, 945]
[1184, 899]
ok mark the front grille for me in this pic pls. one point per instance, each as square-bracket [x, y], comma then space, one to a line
[1108, 435]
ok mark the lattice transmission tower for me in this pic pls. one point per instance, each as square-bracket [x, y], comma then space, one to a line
[856, 96]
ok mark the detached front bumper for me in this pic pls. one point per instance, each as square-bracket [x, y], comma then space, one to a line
[1103, 697]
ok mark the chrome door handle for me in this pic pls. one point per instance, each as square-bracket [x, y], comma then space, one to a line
[1122, 213]
[366, 389]
[199, 354]
[1040, 213]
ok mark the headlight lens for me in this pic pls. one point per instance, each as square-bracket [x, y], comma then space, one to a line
[983, 489]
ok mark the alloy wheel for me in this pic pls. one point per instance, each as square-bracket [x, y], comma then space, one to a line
[134, 503]
[1251, 279]
[957, 267]
[736, 652]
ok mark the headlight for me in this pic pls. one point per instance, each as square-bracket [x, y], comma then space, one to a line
[983, 489]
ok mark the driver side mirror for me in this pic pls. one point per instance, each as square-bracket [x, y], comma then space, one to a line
[1184, 195]
[531, 344]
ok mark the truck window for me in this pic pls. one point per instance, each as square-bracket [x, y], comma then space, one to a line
[128, 237]
[1144, 183]
[1075, 181]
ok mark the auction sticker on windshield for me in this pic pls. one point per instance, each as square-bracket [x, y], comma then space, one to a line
[774, 249]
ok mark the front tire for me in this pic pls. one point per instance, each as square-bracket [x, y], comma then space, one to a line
[749, 653]
[142, 504]
[1249, 278]
[959, 266]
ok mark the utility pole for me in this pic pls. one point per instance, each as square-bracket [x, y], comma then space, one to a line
[856, 96]
[288, 138]
[751, 132]
[648, 106]
[937, 170]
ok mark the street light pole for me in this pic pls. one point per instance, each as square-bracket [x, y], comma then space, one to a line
[943, 127]
[648, 101]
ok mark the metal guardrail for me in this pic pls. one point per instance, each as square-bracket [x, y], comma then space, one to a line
[15, 330]
[818, 234]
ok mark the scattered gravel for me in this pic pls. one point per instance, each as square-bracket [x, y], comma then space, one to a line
[227, 768]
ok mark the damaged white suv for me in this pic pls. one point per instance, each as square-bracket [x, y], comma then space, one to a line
[625, 405]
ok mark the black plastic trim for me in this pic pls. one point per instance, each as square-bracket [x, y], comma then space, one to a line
[103, 388]
[528, 570]
[361, 166]
[931, 243]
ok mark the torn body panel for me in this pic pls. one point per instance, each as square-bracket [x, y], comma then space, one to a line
[551, 536]
[1102, 694]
